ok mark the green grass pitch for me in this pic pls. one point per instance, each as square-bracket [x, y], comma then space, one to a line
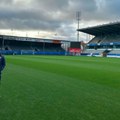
[60, 88]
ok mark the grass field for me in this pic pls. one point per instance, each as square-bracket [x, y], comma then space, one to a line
[60, 88]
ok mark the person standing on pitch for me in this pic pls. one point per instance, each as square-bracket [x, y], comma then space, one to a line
[2, 65]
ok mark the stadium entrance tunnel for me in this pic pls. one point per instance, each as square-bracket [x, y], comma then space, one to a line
[104, 53]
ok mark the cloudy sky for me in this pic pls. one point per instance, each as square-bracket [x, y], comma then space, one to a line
[55, 18]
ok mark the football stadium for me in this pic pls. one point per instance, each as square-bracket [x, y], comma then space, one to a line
[48, 79]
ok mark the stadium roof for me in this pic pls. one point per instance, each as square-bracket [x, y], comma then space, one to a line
[110, 28]
[30, 39]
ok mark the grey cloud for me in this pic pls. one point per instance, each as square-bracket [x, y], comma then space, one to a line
[52, 15]
[61, 11]
[107, 10]
[51, 5]
[6, 1]
[113, 6]
[85, 5]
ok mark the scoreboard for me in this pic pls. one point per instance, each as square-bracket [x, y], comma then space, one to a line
[75, 47]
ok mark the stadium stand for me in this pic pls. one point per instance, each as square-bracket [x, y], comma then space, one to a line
[106, 40]
[22, 45]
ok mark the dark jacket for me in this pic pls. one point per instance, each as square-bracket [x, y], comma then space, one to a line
[2, 63]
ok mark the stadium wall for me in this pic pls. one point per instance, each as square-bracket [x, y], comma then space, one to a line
[26, 52]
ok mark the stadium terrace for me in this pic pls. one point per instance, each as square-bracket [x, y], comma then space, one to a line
[15, 45]
[106, 41]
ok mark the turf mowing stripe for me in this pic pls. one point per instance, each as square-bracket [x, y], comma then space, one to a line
[35, 87]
